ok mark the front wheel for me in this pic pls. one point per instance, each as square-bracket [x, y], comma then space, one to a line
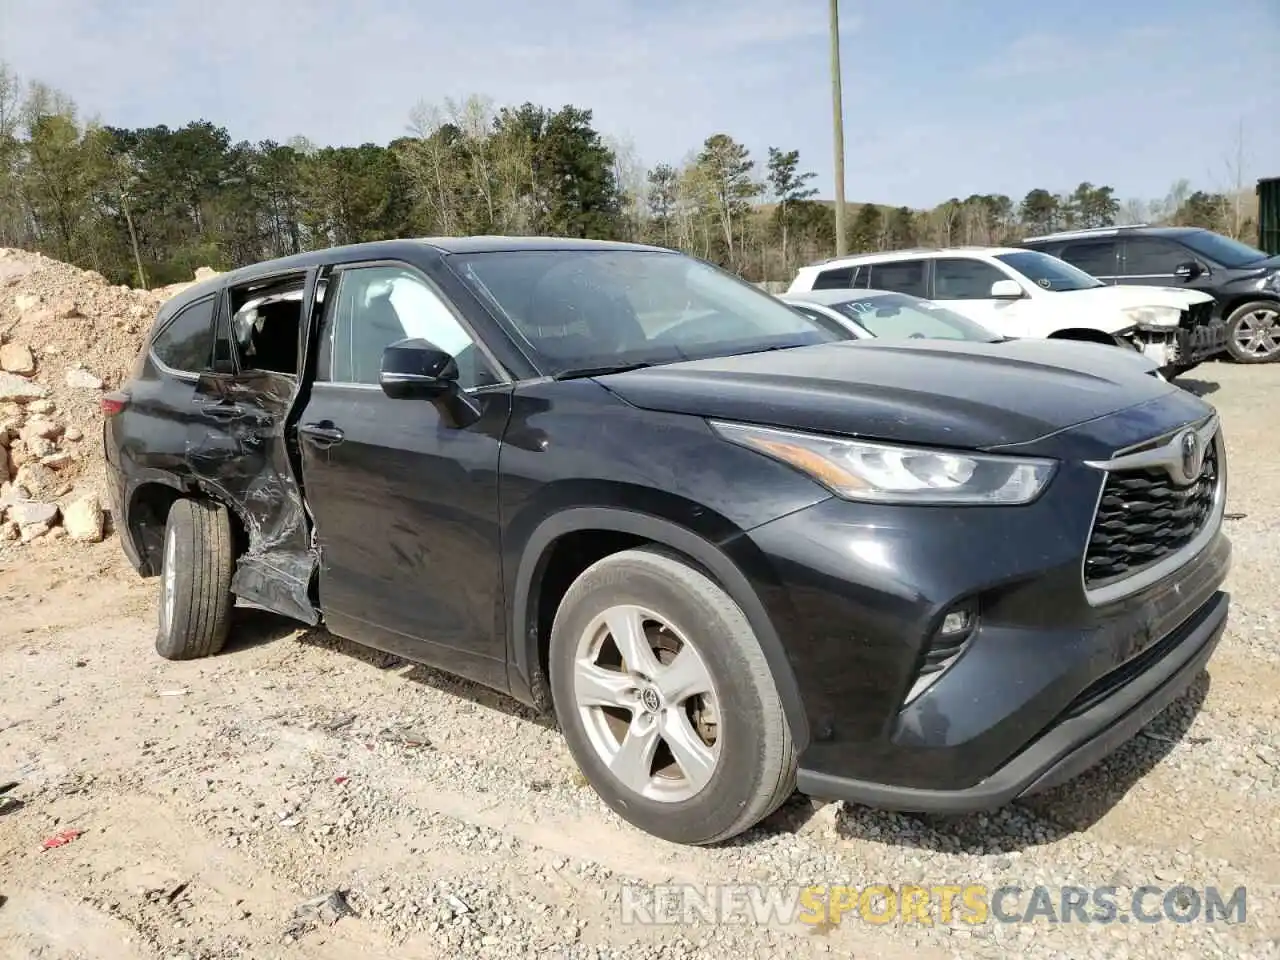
[1253, 332]
[195, 581]
[666, 700]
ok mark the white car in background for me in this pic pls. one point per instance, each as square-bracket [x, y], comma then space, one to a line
[882, 315]
[1023, 293]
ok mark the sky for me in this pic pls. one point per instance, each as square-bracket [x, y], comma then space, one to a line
[941, 97]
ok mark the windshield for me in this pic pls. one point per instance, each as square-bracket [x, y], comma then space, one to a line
[896, 316]
[599, 309]
[1222, 250]
[1049, 272]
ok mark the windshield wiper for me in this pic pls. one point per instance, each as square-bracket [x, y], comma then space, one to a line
[778, 346]
[575, 373]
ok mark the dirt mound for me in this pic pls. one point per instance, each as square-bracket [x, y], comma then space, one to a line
[66, 336]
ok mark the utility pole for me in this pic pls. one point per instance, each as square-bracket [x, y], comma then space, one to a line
[837, 126]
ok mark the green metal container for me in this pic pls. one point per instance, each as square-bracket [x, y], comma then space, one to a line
[1269, 215]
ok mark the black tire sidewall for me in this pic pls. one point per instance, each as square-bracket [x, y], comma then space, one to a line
[740, 770]
[186, 636]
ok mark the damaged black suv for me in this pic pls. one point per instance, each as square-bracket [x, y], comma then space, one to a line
[731, 549]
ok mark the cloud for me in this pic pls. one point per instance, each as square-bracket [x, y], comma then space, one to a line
[339, 72]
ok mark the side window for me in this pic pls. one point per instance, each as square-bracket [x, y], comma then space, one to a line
[186, 343]
[964, 279]
[375, 307]
[1096, 257]
[841, 278]
[1152, 257]
[899, 276]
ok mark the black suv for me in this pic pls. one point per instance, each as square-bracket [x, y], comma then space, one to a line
[1244, 281]
[731, 550]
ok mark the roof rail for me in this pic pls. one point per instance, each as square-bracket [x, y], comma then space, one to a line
[1086, 232]
[871, 253]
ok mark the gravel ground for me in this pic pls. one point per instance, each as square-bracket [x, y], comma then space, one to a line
[217, 798]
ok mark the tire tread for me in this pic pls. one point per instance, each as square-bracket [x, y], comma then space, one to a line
[203, 601]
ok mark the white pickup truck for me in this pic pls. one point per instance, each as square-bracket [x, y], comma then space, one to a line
[1024, 293]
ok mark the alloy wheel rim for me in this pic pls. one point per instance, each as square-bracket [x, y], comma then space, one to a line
[648, 704]
[1258, 334]
[170, 591]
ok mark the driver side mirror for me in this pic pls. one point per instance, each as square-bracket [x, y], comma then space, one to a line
[1006, 290]
[417, 369]
[1188, 271]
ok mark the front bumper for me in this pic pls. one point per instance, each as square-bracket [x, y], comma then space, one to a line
[1173, 347]
[1199, 343]
[1084, 735]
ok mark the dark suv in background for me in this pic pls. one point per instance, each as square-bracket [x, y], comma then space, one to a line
[1243, 280]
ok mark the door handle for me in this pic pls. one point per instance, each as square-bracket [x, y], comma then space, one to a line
[323, 434]
[221, 411]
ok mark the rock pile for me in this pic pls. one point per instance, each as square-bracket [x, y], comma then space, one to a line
[66, 336]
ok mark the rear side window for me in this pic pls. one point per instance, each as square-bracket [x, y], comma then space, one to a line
[1097, 257]
[841, 278]
[186, 343]
[899, 276]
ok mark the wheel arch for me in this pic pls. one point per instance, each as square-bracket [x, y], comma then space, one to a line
[526, 640]
[146, 512]
[1235, 301]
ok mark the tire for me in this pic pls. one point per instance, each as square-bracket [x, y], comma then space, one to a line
[1252, 313]
[753, 750]
[195, 581]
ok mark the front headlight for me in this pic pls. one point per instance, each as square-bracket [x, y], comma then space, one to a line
[884, 473]
[1272, 282]
[1152, 316]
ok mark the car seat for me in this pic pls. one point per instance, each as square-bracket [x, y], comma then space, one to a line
[378, 326]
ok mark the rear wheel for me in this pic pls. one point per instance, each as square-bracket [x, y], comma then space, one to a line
[1253, 332]
[195, 581]
[666, 700]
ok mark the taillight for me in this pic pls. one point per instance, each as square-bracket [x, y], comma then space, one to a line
[113, 403]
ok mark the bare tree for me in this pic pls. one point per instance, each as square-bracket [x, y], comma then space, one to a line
[428, 164]
[1234, 164]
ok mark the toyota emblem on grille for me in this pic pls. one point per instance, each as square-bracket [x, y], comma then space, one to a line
[1192, 451]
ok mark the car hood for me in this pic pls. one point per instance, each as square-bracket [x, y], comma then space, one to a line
[1119, 297]
[1261, 267]
[947, 393]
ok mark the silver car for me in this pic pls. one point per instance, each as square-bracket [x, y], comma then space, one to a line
[869, 314]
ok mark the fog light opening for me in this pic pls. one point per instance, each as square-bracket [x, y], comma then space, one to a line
[945, 646]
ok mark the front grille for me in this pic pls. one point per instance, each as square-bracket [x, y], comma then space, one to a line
[1143, 517]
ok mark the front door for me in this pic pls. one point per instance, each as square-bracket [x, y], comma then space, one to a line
[405, 504]
[963, 284]
[1153, 262]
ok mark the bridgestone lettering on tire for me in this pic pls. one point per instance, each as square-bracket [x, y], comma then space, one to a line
[195, 581]
[666, 700]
